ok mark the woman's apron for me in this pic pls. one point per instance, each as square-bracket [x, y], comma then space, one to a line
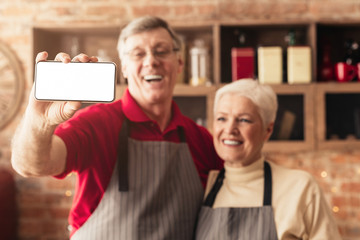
[253, 223]
[154, 193]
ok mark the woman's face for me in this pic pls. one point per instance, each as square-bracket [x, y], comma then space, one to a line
[239, 133]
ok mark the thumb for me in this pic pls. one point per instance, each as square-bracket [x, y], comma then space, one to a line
[70, 108]
[74, 105]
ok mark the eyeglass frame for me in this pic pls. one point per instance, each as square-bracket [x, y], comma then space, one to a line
[155, 53]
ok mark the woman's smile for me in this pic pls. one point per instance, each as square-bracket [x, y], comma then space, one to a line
[232, 142]
[239, 133]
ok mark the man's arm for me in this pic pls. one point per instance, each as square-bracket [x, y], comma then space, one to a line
[36, 151]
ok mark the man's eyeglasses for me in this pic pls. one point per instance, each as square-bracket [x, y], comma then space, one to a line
[157, 53]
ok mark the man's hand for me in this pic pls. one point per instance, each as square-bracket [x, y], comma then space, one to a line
[36, 151]
[53, 113]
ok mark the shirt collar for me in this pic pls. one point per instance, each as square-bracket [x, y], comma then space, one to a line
[135, 114]
[132, 110]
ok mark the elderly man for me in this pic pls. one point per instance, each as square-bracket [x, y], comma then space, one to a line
[141, 165]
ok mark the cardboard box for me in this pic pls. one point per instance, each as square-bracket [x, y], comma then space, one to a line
[242, 63]
[299, 64]
[270, 65]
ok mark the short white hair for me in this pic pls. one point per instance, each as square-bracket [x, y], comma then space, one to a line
[263, 96]
[143, 24]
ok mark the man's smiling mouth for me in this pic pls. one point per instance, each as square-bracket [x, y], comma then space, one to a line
[151, 78]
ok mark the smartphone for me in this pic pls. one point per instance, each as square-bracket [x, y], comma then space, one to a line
[75, 81]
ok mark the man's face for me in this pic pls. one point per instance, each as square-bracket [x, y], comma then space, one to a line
[151, 66]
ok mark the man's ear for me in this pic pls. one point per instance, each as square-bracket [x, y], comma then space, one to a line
[123, 70]
[181, 64]
[268, 131]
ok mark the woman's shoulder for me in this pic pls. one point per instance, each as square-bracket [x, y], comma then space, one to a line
[293, 179]
[289, 172]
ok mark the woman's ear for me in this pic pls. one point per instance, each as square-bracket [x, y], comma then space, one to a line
[268, 131]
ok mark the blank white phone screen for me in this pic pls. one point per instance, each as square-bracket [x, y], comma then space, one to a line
[75, 81]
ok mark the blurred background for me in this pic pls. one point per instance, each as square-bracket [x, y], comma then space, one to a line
[318, 123]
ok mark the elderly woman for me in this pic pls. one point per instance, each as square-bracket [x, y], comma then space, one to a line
[252, 198]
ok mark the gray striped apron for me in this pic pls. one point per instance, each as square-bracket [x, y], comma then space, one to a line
[254, 223]
[154, 193]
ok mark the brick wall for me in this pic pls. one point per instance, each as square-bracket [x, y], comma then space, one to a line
[44, 202]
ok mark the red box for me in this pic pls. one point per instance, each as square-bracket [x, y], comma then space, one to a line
[242, 63]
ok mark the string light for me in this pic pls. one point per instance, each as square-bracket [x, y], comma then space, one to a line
[335, 209]
[334, 189]
[324, 174]
[68, 193]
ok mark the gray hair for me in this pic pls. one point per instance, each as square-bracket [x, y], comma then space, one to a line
[263, 96]
[144, 24]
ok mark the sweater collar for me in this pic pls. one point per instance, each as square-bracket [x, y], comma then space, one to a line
[245, 174]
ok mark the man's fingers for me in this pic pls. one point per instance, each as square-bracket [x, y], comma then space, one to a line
[81, 58]
[84, 58]
[63, 57]
[41, 56]
[94, 59]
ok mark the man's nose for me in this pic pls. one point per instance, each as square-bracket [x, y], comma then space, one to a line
[150, 59]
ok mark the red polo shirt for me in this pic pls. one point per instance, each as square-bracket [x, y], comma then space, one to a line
[91, 139]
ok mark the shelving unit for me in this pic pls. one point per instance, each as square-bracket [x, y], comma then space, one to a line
[201, 100]
[309, 103]
[190, 33]
[337, 105]
[297, 99]
[257, 35]
[335, 34]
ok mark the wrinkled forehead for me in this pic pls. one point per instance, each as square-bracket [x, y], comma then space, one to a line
[149, 39]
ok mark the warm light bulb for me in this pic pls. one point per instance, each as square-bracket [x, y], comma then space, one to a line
[324, 174]
[68, 193]
[335, 209]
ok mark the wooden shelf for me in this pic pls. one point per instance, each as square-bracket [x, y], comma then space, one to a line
[305, 93]
[197, 103]
[262, 34]
[308, 100]
[342, 90]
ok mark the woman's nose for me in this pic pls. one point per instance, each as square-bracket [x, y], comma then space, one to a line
[231, 127]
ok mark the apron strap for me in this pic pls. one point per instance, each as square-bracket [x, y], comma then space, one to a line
[267, 184]
[122, 156]
[181, 133]
[210, 199]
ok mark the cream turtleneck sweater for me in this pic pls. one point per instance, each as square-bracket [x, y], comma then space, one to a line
[300, 209]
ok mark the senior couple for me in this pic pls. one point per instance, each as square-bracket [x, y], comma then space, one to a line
[144, 169]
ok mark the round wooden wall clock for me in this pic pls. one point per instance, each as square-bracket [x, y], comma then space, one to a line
[11, 84]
